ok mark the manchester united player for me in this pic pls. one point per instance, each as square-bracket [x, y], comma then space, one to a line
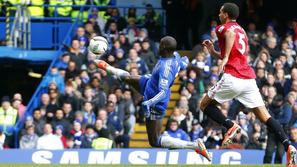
[238, 80]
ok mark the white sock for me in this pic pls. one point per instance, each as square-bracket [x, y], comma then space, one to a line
[117, 72]
[170, 142]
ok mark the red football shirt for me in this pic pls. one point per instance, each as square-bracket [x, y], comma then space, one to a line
[237, 64]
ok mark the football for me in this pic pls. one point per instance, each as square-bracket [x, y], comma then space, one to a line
[98, 46]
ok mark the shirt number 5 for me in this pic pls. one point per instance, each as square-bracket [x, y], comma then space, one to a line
[242, 43]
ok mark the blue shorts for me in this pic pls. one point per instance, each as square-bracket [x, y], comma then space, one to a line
[154, 113]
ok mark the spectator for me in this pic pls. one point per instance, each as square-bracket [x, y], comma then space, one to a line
[100, 130]
[151, 21]
[257, 138]
[49, 141]
[197, 130]
[254, 38]
[60, 121]
[88, 137]
[63, 61]
[260, 74]
[28, 122]
[271, 44]
[89, 115]
[59, 133]
[98, 93]
[193, 97]
[288, 82]
[17, 103]
[77, 134]
[263, 56]
[115, 125]
[72, 70]
[134, 61]
[44, 102]
[80, 32]
[54, 77]
[175, 132]
[124, 41]
[53, 105]
[68, 112]
[38, 121]
[8, 118]
[116, 107]
[92, 28]
[132, 30]
[137, 46]
[111, 31]
[288, 52]
[69, 96]
[178, 116]
[200, 62]
[92, 69]
[97, 101]
[293, 134]
[29, 141]
[193, 77]
[147, 55]
[79, 116]
[212, 137]
[132, 13]
[143, 35]
[129, 110]
[115, 17]
[95, 17]
[103, 116]
[76, 55]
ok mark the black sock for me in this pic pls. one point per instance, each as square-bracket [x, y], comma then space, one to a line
[278, 131]
[215, 114]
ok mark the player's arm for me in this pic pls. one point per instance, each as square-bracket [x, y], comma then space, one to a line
[164, 78]
[209, 45]
[229, 41]
[155, 99]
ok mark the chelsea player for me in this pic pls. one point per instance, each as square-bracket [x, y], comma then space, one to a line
[155, 89]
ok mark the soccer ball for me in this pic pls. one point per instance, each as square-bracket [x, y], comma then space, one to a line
[98, 46]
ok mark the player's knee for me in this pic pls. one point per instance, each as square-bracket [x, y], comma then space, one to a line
[207, 101]
[203, 104]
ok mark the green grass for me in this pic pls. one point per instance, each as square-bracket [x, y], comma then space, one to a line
[52, 165]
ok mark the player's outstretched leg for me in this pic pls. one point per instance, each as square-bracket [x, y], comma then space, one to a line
[154, 128]
[263, 115]
[209, 107]
[119, 73]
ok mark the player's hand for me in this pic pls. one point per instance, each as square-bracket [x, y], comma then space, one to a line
[222, 66]
[146, 107]
[208, 44]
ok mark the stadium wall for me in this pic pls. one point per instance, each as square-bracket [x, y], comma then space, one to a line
[130, 156]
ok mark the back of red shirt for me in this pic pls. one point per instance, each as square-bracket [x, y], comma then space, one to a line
[237, 64]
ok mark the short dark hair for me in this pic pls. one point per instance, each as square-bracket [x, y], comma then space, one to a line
[172, 121]
[168, 44]
[231, 9]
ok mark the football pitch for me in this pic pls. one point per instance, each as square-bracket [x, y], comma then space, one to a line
[52, 165]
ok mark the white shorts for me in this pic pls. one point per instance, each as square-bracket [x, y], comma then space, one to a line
[244, 90]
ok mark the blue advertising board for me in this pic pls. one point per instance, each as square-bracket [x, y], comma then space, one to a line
[130, 156]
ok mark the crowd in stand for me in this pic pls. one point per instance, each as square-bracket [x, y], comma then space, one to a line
[84, 107]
